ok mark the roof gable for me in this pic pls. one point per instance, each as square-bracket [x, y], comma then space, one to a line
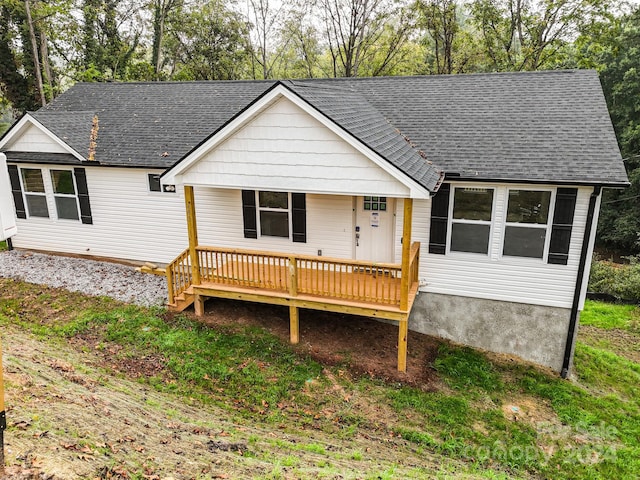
[283, 148]
[354, 150]
[30, 135]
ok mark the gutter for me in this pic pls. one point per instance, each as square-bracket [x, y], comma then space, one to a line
[573, 319]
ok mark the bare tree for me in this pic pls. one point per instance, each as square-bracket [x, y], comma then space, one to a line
[358, 30]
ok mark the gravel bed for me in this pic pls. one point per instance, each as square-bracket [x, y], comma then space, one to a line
[91, 277]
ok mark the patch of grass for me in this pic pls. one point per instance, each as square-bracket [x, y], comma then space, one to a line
[248, 364]
[592, 429]
[465, 368]
[608, 316]
[3, 246]
[607, 372]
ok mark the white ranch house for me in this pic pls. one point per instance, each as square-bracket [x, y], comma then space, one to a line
[458, 206]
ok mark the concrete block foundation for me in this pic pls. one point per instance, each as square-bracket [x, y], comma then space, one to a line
[533, 332]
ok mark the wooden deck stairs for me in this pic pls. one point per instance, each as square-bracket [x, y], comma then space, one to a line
[183, 301]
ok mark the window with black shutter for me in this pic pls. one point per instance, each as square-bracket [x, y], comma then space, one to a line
[439, 220]
[562, 225]
[274, 214]
[16, 190]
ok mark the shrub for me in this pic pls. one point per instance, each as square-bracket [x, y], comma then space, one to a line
[620, 281]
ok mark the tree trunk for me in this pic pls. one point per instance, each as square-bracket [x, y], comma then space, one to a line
[46, 64]
[36, 57]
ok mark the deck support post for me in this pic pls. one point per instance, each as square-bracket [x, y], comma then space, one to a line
[403, 332]
[192, 229]
[405, 283]
[294, 324]
[198, 305]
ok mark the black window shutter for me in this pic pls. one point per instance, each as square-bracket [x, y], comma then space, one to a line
[249, 214]
[16, 189]
[83, 195]
[299, 217]
[439, 220]
[562, 225]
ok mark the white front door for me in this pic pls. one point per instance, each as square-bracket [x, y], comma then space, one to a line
[374, 228]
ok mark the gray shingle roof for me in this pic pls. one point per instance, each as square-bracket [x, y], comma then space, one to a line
[40, 157]
[73, 128]
[369, 126]
[537, 126]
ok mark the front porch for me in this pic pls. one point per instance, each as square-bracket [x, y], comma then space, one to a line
[380, 290]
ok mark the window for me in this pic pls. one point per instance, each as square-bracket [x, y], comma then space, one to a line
[375, 203]
[275, 214]
[273, 208]
[471, 220]
[156, 186]
[35, 194]
[64, 193]
[527, 223]
[34, 189]
[537, 221]
[154, 183]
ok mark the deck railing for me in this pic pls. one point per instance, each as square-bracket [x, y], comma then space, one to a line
[179, 276]
[352, 280]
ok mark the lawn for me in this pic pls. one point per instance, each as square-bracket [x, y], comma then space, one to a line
[486, 417]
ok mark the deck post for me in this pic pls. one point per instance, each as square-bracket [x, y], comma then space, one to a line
[405, 283]
[294, 324]
[403, 332]
[192, 228]
[405, 280]
[169, 274]
[198, 305]
[293, 277]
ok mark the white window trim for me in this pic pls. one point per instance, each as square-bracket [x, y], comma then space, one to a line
[65, 195]
[548, 226]
[270, 209]
[25, 193]
[451, 221]
[49, 194]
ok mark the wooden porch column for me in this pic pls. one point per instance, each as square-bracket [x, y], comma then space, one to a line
[294, 317]
[192, 229]
[405, 283]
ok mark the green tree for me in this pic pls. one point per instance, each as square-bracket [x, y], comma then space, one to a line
[531, 34]
[208, 42]
[613, 47]
[109, 39]
[450, 40]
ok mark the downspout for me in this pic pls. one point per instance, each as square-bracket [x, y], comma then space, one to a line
[573, 319]
[9, 244]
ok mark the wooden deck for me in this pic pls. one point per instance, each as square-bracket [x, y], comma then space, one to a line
[298, 281]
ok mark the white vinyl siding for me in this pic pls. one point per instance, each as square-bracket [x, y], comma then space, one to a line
[494, 277]
[329, 224]
[129, 222]
[285, 149]
[33, 139]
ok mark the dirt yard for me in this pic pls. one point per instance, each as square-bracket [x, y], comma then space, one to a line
[75, 411]
[368, 346]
